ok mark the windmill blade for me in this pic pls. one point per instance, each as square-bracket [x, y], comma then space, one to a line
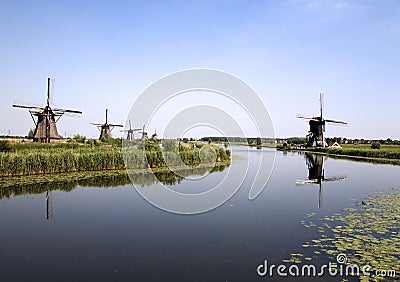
[132, 130]
[51, 90]
[321, 103]
[308, 118]
[67, 111]
[303, 117]
[306, 182]
[116, 125]
[27, 106]
[97, 124]
[335, 178]
[335, 121]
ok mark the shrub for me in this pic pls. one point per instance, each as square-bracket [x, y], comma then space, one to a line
[79, 138]
[258, 141]
[375, 145]
[5, 146]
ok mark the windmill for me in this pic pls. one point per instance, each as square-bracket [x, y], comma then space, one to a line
[47, 118]
[316, 174]
[315, 136]
[130, 132]
[144, 134]
[106, 128]
[154, 136]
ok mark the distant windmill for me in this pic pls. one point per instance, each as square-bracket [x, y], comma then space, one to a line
[130, 132]
[47, 118]
[106, 128]
[154, 136]
[144, 134]
[315, 136]
[316, 174]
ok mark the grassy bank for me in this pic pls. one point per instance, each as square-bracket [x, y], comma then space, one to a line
[385, 152]
[36, 158]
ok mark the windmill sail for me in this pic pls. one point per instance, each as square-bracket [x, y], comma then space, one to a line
[106, 128]
[45, 118]
[130, 132]
[315, 136]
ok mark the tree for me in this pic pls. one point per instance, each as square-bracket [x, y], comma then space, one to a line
[258, 141]
[31, 133]
[375, 145]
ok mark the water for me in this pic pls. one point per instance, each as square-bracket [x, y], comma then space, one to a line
[112, 234]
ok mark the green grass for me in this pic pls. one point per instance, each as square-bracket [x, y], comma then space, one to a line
[39, 158]
[365, 151]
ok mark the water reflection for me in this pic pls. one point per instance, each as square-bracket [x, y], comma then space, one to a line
[316, 173]
[49, 205]
[28, 185]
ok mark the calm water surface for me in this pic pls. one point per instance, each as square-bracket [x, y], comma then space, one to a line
[112, 234]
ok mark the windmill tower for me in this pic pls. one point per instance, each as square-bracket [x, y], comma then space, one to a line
[130, 132]
[47, 117]
[315, 136]
[106, 128]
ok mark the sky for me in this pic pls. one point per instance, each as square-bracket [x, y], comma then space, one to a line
[104, 54]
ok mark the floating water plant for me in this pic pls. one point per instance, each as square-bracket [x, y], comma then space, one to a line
[368, 234]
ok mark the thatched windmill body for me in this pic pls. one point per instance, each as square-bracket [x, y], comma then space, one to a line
[46, 119]
[315, 136]
[106, 128]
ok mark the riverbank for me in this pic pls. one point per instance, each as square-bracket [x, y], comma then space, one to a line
[386, 154]
[35, 158]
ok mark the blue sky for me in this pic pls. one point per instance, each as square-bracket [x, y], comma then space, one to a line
[105, 53]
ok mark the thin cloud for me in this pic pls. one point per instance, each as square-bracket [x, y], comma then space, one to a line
[341, 5]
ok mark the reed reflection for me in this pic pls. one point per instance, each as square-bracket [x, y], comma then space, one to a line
[45, 184]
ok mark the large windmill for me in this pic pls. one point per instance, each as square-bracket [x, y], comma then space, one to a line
[130, 132]
[316, 174]
[106, 128]
[47, 117]
[315, 136]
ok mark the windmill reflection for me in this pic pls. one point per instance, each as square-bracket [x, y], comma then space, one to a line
[316, 174]
[49, 205]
